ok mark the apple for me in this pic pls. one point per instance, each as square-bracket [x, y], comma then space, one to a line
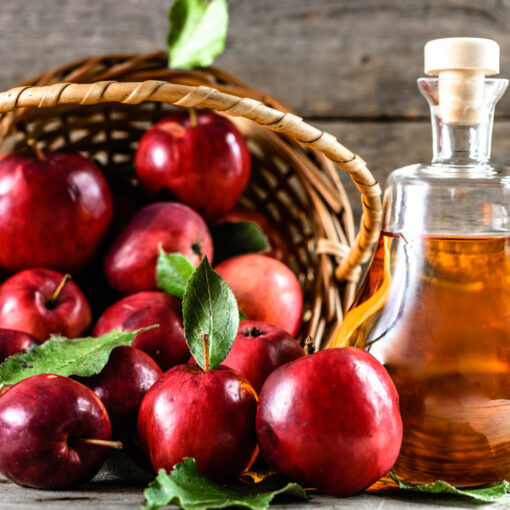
[131, 261]
[207, 415]
[199, 156]
[56, 209]
[330, 420]
[260, 348]
[277, 239]
[124, 381]
[265, 289]
[13, 342]
[121, 386]
[41, 302]
[166, 345]
[54, 433]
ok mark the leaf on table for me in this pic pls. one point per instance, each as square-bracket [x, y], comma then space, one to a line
[198, 32]
[63, 356]
[187, 487]
[172, 272]
[486, 493]
[209, 308]
[233, 238]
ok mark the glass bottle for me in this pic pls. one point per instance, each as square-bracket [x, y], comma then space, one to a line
[434, 306]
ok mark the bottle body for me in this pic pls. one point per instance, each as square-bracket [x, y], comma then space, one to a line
[434, 307]
[440, 323]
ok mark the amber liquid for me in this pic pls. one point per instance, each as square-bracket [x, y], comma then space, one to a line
[436, 312]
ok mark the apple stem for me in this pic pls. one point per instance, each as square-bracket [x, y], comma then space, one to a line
[5, 389]
[205, 344]
[38, 152]
[60, 287]
[117, 445]
[309, 346]
[193, 117]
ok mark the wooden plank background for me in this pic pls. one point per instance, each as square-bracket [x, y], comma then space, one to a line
[349, 66]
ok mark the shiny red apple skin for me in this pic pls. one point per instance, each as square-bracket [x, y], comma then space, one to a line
[124, 381]
[259, 348]
[279, 242]
[130, 264]
[206, 166]
[330, 420]
[55, 213]
[209, 416]
[23, 299]
[265, 289]
[14, 342]
[166, 345]
[121, 386]
[41, 420]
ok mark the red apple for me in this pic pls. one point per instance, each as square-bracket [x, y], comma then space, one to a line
[124, 381]
[265, 289]
[330, 421]
[48, 425]
[206, 415]
[165, 344]
[131, 262]
[204, 162]
[55, 211]
[121, 386]
[260, 348]
[13, 342]
[41, 302]
[277, 239]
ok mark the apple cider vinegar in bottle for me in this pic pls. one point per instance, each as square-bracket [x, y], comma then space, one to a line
[434, 307]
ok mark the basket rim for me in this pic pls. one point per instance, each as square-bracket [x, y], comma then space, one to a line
[47, 96]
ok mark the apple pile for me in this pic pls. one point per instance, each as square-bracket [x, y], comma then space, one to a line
[218, 394]
[59, 219]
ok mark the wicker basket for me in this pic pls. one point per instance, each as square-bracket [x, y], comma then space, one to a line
[101, 106]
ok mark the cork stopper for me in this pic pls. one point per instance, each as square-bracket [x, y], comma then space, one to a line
[461, 64]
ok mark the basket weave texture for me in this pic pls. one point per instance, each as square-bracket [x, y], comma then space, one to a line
[101, 106]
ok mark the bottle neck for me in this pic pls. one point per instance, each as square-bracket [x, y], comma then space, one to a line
[461, 145]
[462, 112]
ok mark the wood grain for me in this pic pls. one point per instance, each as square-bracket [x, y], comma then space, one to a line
[326, 58]
[107, 493]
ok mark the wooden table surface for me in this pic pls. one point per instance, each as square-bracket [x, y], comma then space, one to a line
[109, 493]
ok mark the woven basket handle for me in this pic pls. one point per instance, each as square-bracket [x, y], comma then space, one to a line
[188, 96]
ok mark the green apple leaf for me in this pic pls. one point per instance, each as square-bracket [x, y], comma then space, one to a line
[209, 308]
[233, 238]
[484, 493]
[63, 356]
[198, 31]
[187, 487]
[172, 272]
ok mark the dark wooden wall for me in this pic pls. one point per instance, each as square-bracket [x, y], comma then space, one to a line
[349, 66]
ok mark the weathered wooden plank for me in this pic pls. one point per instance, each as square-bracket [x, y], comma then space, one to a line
[389, 145]
[353, 58]
[115, 495]
[327, 58]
